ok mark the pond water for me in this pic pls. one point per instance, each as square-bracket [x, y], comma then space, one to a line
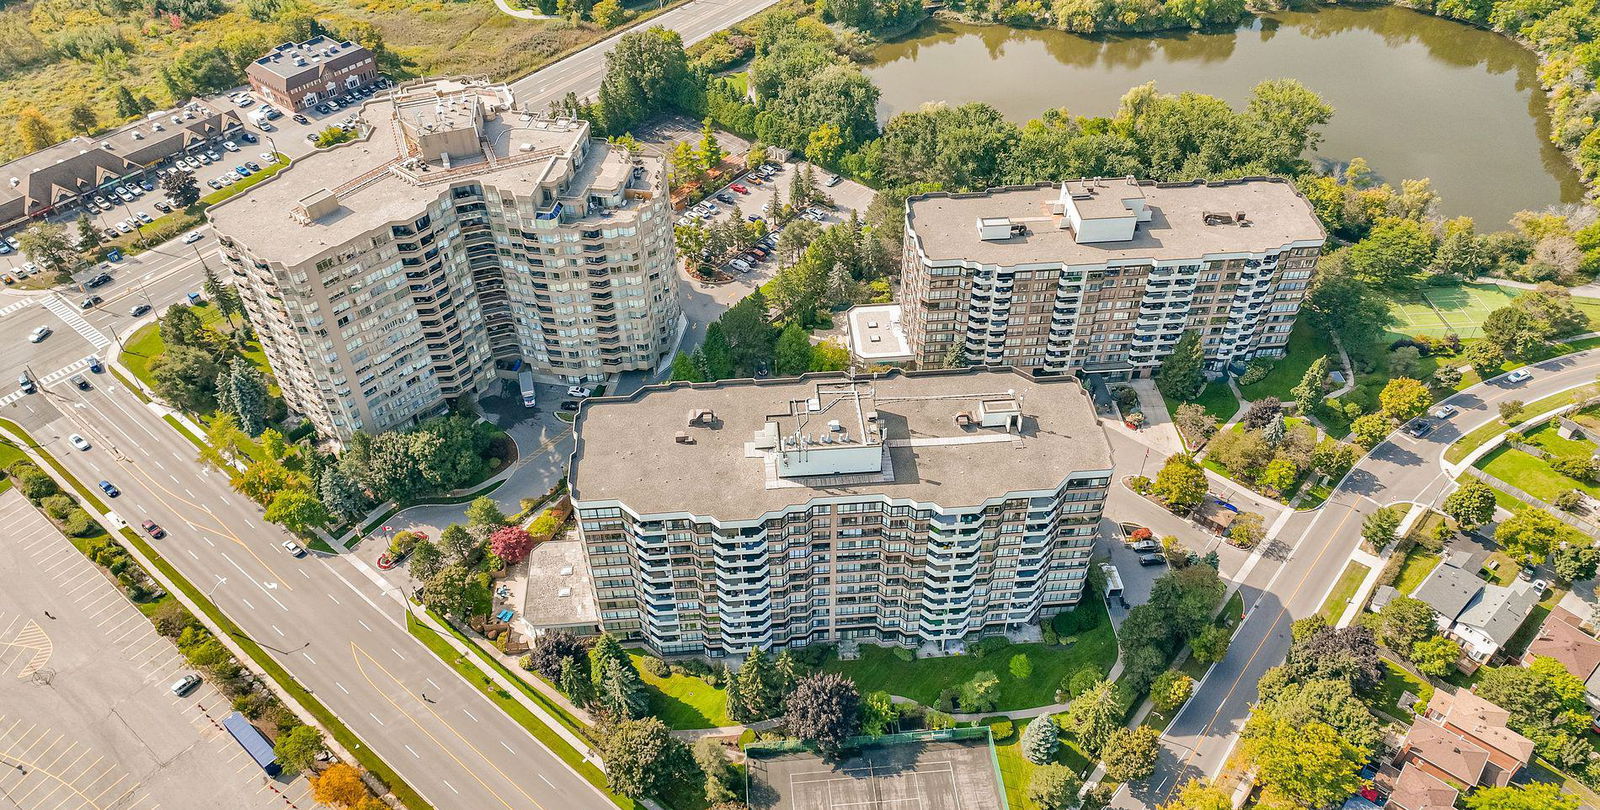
[1415, 95]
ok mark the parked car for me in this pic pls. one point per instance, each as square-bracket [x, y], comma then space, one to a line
[725, 197]
[185, 685]
[301, 119]
[578, 392]
[569, 405]
[163, 207]
[254, 166]
[108, 489]
[739, 188]
[230, 146]
[1152, 559]
[740, 265]
[1521, 375]
[143, 217]
[1445, 411]
[78, 441]
[1419, 428]
[1147, 546]
[832, 180]
[293, 548]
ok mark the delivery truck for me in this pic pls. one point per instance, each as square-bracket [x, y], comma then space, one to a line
[529, 398]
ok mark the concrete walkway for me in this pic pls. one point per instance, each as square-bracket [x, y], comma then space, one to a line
[520, 13]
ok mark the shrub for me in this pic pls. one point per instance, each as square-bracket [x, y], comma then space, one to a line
[35, 485]
[79, 524]
[1050, 635]
[1001, 727]
[1569, 500]
[58, 506]
[1140, 484]
[905, 654]
[946, 701]
[1021, 666]
[1257, 372]
[1075, 621]
[938, 721]
[988, 646]
[654, 666]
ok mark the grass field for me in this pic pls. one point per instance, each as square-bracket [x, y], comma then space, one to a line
[1343, 591]
[1475, 439]
[1436, 311]
[1217, 399]
[1396, 682]
[923, 679]
[1305, 346]
[1530, 474]
[684, 701]
[1016, 770]
[1418, 563]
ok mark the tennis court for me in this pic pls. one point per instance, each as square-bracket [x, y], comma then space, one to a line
[906, 775]
[1437, 311]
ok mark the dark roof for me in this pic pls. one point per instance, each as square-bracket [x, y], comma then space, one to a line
[1448, 589]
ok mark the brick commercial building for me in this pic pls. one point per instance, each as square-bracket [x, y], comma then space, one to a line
[459, 241]
[1106, 275]
[297, 75]
[911, 509]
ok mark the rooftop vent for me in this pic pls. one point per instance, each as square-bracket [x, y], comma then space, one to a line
[994, 228]
[682, 437]
[1217, 217]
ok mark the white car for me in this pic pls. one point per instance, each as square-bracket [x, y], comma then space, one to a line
[1521, 375]
[78, 441]
[29, 268]
[39, 333]
[193, 237]
[293, 548]
[202, 157]
[1445, 411]
[578, 392]
[230, 146]
[269, 157]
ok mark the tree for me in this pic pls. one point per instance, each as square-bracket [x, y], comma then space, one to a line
[186, 377]
[1181, 483]
[426, 561]
[1172, 689]
[484, 516]
[1211, 645]
[242, 391]
[1471, 504]
[793, 353]
[297, 749]
[1403, 399]
[1308, 394]
[647, 72]
[1403, 623]
[81, 119]
[1575, 561]
[339, 786]
[1446, 376]
[548, 650]
[47, 244]
[1322, 701]
[1182, 372]
[878, 714]
[1197, 795]
[1436, 656]
[34, 131]
[1342, 305]
[88, 236]
[1130, 754]
[712, 760]
[825, 144]
[1054, 787]
[978, 694]
[1299, 765]
[823, 708]
[449, 590]
[718, 353]
[830, 355]
[1530, 535]
[1094, 714]
[574, 682]
[1247, 530]
[608, 13]
[710, 150]
[127, 105]
[605, 650]
[1279, 475]
[1393, 252]
[1332, 457]
[511, 543]
[1197, 423]
[342, 496]
[181, 188]
[1485, 357]
[1371, 429]
[1186, 598]
[1262, 412]
[1531, 796]
[643, 758]
[684, 369]
[1041, 740]
[757, 691]
[1510, 410]
[299, 511]
[1348, 654]
[621, 693]
[458, 544]
[1378, 529]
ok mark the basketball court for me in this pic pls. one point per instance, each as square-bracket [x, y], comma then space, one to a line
[905, 775]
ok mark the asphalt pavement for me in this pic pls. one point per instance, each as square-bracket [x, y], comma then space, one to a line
[1315, 548]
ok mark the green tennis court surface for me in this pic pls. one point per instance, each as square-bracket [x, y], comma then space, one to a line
[1437, 311]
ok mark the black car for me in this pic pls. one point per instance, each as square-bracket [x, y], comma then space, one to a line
[80, 381]
[1152, 559]
[725, 197]
[301, 119]
[161, 205]
[1419, 429]
[90, 301]
[252, 165]
[248, 137]
[139, 309]
[98, 281]
[324, 109]
[569, 405]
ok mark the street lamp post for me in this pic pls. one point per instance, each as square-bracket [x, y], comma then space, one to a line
[215, 585]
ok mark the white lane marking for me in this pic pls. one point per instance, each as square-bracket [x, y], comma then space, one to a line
[341, 687]
[452, 787]
[375, 717]
[547, 781]
[335, 601]
[276, 630]
[364, 624]
[413, 752]
[507, 747]
[469, 714]
[247, 603]
[309, 658]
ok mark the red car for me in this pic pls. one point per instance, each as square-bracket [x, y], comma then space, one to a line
[153, 530]
[739, 188]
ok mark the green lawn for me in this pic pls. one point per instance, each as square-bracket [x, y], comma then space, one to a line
[1418, 563]
[1530, 474]
[1546, 437]
[1217, 399]
[1472, 441]
[684, 701]
[1016, 770]
[1343, 591]
[922, 679]
[1396, 682]
[1305, 346]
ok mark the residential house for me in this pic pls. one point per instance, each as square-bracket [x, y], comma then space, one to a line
[1481, 615]
[1482, 724]
[1563, 639]
[1416, 789]
[1442, 754]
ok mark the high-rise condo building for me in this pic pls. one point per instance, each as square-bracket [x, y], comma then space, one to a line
[1105, 275]
[458, 242]
[914, 509]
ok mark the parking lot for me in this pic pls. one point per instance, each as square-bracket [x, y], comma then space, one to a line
[87, 715]
[215, 167]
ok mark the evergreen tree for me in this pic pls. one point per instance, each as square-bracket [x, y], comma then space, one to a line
[88, 236]
[1041, 740]
[127, 105]
[242, 391]
[710, 151]
[575, 683]
[605, 649]
[1308, 394]
[793, 353]
[621, 692]
[718, 353]
[1275, 431]
[1182, 373]
[213, 288]
[956, 357]
[684, 369]
[758, 686]
[343, 497]
[788, 672]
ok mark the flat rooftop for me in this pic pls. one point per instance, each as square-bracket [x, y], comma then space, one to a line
[945, 225]
[876, 335]
[559, 590]
[629, 449]
[378, 179]
[313, 54]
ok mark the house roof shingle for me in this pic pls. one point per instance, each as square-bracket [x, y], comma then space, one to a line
[1561, 638]
[1417, 789]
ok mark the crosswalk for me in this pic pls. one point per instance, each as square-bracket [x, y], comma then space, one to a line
[69, 315]
[18, 305]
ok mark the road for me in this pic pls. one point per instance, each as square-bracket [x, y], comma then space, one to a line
[1318, 544]
[339, 631]
[580, 73]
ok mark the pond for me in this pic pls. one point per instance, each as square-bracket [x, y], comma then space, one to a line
[1415, 95]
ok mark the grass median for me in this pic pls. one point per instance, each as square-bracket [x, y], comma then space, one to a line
[347, 738]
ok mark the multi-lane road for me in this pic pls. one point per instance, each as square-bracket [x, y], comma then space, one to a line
[1317, 546]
